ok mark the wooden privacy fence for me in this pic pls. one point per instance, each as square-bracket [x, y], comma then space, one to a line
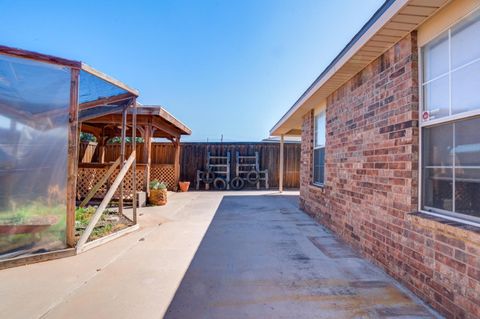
[193, 156]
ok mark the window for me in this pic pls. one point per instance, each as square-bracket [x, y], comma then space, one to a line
[451, 122]
[319, 150]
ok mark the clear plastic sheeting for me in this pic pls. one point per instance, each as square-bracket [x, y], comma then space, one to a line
[93, 88]
[25, 96]
[34, 103]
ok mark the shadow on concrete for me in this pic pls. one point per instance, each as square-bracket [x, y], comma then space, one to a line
[263, 258]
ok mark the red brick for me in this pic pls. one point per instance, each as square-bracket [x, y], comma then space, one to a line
[474, 273]
[451, 241]
[371, 185]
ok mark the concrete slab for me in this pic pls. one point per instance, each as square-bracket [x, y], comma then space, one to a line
[216, 255]
[263, 258]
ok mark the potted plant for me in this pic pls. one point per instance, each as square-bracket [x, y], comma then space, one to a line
[158, 193]
[184, 186]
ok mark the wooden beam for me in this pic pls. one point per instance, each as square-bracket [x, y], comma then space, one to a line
[91, 129]
[122, 156]
[109, 79]
[106, 100]
[101, 148]
[141, 130]
[147, 155]
[103, 205]
[102, 181]
[134, 166]
[36, 258]
[91, 113]
[39, 57]
[176, 162]
[72, 158]
[108, 238]
[165, 128]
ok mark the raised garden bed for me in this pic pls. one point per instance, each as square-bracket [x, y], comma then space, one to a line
[110, 222]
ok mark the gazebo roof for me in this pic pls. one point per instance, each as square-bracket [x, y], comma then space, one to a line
[160, 111]
[106, 120]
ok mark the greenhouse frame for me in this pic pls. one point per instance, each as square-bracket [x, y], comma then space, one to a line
[41, 98]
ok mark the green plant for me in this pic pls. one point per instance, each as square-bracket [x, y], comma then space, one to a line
[156, 185]
[104, 226]
[87, 137]
[101, 231]
[84, 214]
[118, 140]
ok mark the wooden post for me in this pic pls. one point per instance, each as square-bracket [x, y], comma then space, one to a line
[122, 156]
[176, 163]
[147, 154]
[101, 147]
[72, 158]
[134, 165]
[281, 169]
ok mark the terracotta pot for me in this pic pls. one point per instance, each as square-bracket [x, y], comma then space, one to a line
[184, 186]
[158, 197]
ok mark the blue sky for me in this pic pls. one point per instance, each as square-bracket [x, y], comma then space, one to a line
[221, 67]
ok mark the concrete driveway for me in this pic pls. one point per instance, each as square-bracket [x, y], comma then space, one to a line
[212, 255]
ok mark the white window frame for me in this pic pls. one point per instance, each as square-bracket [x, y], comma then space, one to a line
[458, 217]
[316, 147]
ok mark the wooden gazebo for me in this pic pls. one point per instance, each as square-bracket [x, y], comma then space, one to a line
[152, 122]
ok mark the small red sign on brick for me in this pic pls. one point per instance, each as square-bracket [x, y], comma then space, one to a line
[426, 115]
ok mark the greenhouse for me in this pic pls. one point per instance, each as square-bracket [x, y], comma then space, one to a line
[41, 99]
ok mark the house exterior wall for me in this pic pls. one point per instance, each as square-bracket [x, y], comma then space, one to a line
[370, 197]
[445, 18]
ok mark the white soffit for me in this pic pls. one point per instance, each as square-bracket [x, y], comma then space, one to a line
[397, 19]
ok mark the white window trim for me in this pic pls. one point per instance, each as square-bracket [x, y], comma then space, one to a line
[315, 147]
[461, 218]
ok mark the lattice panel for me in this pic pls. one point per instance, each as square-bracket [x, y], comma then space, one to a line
[164, 173]
[89, 176]
[128, 183]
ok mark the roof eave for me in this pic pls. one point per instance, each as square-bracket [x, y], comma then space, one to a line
[382, 17]
[162, 112]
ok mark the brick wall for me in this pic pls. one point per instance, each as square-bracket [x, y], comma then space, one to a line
[371, 190]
